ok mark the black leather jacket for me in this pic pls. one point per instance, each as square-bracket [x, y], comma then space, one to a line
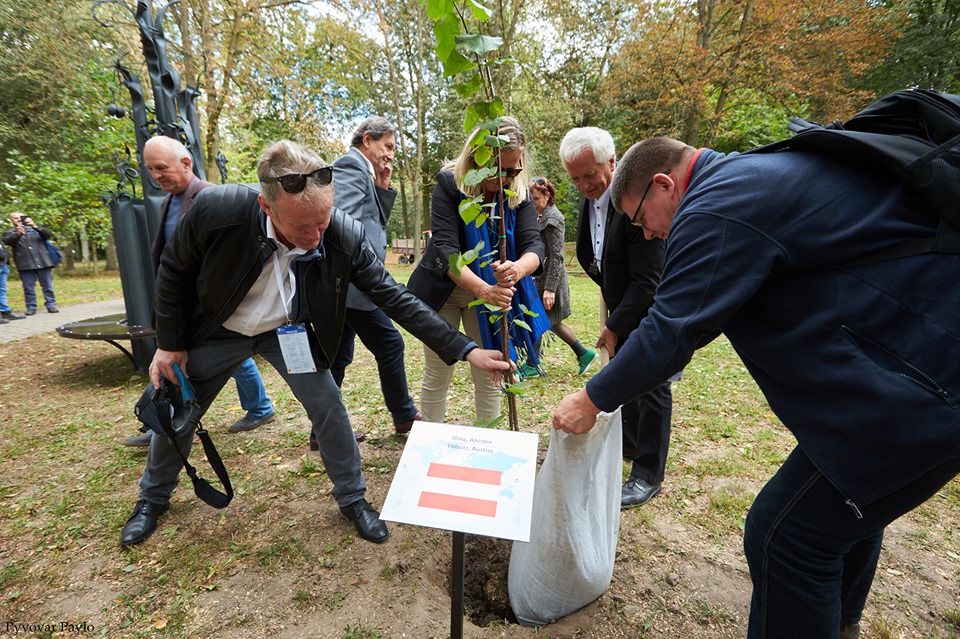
[220, 248]
[29, 250]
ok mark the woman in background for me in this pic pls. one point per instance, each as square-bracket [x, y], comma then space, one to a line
[552, 282]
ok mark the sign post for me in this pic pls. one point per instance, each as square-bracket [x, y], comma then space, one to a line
[466, 480]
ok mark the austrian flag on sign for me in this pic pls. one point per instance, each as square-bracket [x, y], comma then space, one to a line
[445, 485]
[471, 480]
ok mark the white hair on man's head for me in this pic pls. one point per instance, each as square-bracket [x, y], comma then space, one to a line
[174, 147]
[597, 141]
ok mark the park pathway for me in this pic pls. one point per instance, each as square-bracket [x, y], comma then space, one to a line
[44, 322]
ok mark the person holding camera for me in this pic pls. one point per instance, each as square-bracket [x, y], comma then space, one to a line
[171, 167]
[33, 261]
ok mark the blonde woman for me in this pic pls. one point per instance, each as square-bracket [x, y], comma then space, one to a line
[504, 284]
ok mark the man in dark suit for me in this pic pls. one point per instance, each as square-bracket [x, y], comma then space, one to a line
[171, 167]
[361, 189]
[627, 267]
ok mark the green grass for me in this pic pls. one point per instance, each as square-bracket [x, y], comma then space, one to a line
[360, 632]
[78, 286]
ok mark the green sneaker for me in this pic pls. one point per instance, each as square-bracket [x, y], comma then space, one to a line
[526, 371]
[586, 360]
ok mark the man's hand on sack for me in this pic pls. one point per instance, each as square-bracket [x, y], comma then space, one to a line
[576, 414]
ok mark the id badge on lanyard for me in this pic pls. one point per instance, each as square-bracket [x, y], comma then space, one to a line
[294, 345]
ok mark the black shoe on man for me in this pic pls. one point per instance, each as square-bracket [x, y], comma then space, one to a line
[139, 440]
[32, 311]
[637, 492]
[850, 632]
[142, 522]
[10, 315]
[249, 423]
[367, 521]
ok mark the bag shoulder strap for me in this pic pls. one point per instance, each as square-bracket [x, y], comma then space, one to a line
[201, 487]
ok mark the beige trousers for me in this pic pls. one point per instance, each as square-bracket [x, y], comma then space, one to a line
[437, 375]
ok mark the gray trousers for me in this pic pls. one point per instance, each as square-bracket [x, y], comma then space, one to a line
[210, 366]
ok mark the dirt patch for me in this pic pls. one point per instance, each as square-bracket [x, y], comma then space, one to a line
[486, 599]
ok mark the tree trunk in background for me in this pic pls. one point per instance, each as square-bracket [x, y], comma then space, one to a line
[112, 263]
[69, 261]
[84, 245]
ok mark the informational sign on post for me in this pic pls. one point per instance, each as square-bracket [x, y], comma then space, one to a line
[465, 479]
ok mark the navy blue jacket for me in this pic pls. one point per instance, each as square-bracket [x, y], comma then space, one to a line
[861, 363]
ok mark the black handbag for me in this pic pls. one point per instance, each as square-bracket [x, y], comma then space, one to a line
[173, 412]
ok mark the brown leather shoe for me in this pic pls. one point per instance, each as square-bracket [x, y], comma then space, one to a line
[404, 427]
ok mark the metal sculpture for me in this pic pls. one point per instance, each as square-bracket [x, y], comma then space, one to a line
[137, 221]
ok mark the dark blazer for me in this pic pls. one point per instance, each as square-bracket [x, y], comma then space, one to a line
[160, 241]
[429, 280]
[355, 194]
[861, 363]
[630, 268]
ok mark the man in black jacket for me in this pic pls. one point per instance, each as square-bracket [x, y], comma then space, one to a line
[267, 273]
[627, 268]
[30, 254]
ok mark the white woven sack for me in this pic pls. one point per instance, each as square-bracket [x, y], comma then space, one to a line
[568, 561]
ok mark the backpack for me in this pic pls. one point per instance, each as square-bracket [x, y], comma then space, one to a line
[913, 135]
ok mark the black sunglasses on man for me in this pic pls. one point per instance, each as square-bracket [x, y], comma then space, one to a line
[295, 182]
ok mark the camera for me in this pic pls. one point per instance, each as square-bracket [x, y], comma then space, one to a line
[25, 220]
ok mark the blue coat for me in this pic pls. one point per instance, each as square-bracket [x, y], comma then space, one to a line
[861, 363]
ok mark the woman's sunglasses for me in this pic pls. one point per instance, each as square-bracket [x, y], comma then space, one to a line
[296, 182]
[511, 172]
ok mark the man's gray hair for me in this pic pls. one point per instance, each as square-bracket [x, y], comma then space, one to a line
[376, 126]
[641, 162]
[285, 157]
[170, 145]
[578, 140]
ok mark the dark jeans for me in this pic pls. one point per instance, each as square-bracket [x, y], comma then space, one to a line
[29, 279]
[812, 558]
[646, 431]
[381, 338]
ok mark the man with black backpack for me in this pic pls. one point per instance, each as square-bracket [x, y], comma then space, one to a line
[857, 353]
